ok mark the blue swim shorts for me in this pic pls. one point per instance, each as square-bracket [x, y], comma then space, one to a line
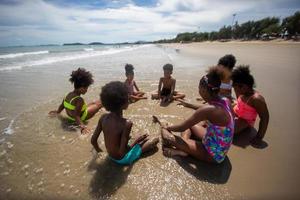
[132, 155]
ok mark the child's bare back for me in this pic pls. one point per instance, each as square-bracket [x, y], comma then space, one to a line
[117, 129]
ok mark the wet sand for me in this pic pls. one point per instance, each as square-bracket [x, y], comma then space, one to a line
[271, 172]
[47, 159]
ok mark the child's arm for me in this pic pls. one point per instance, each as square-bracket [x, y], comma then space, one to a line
[96, 134]
[159, 87]
[263, 113]
[199, 115]
[78, 107]
[136, 87]
[173, 88]
[125, 137]
[60, 108]
[188, 105]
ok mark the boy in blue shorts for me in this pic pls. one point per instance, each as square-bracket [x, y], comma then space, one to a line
[116, 129]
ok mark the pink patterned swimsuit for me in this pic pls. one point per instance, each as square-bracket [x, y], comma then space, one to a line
[218, 139]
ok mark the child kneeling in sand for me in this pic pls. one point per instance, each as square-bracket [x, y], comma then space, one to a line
[209, 144]
[166, 87]
[134, 93]
[249, 104]
[77, 110]
[116, 129]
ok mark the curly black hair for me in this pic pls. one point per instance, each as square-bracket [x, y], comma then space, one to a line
[212, 80]
[129, 69]
[114, 95]
[168, 67]
[241, 75]
[227, 61]
[81, 78]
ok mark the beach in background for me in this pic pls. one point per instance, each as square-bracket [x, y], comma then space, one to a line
[45, 158]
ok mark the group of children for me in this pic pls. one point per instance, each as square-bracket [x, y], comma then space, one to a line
[206, 135]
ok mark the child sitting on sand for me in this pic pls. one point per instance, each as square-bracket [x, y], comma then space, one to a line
[249, 104]
[209, 144]
[166, 87]
[77, 110]
[116, 128]
[134, 93]
[226, 63]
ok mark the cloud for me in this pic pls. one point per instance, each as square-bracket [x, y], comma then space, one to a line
[37, 21]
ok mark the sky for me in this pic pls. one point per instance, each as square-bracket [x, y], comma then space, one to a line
[36, 22]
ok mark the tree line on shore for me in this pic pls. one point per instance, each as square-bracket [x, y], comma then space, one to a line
[267, 28]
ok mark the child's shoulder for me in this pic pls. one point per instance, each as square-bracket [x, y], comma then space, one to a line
[257, 97]
[72, 97]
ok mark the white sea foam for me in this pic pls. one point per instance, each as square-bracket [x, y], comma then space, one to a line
[55, 59]
[88, 49]
[13, 55]
[9, 130]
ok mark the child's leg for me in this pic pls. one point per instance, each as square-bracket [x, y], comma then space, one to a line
[154, 96]
[149, 144]
[140, 94]
[198, 131]
[178, 95]
[240, 125]
[186, 134]
[189, 146]
[93, 108]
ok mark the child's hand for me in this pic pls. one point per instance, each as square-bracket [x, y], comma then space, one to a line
[181, 102]
[142, 137]
[85, 130]
[53, 113]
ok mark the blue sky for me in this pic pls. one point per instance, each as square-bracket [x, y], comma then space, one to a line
[34, 22]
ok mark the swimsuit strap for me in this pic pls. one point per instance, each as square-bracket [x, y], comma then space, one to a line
[255, 93]
[70, 106]
[225, 106]
[74, 98]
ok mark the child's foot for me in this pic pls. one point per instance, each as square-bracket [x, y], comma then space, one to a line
[169, 152]
[167, 138]
[150, 144]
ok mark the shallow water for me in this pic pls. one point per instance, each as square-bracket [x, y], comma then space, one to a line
[45, 158]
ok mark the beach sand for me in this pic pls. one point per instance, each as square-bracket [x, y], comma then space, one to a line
[270, 172]
[46, 159]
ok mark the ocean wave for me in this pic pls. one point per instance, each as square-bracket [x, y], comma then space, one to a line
[13, 55]
[88, 49]
[55, 59]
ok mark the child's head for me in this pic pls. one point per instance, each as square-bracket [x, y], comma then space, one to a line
[228, 61]
[168, 70]
[114, 96]
[209, 85]
[242, 80]
[129, 71]
[81, 79]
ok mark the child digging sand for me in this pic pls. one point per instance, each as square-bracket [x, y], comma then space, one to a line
[166, 87]
[116, 128]
[77, 110]
[209, 144]
[134, 93]
[249, 104]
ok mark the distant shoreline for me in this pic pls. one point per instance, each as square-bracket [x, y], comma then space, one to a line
[276, 41]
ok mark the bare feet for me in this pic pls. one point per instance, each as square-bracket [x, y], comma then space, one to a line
[170, 152]
[167, 138]
[150, 144]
